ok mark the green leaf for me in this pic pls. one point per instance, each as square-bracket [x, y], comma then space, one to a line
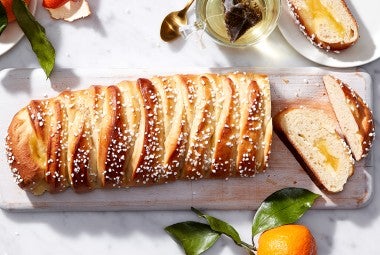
[194, 237]
[282, 207]
[220, 226]
[35, 33]
[3, 18]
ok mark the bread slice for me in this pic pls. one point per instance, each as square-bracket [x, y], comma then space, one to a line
[311, 136]
[328, 24]
[353, 114]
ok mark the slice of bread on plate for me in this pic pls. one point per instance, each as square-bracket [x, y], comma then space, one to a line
[328, 24]
[311, 136]
[353, 114]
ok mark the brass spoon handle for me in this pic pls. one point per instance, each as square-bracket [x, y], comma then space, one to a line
[171, 23]
[184, 10]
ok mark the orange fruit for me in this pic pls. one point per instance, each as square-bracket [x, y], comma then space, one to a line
[8, 8]
[287, 240]
[53, 4]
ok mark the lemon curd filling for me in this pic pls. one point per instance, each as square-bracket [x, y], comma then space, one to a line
[37, 150]
[321, 145]
[318, 11]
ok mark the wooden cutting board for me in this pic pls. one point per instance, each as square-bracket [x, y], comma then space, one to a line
[288, 86]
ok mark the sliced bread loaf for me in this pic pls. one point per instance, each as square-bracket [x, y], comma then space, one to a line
[311, 136]
[329, 24]
[353, 114]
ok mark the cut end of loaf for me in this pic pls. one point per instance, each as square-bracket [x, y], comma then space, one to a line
[26, 156]
[327, 24]
[310, 135]
[353, 114]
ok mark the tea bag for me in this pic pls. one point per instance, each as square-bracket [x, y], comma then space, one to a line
[241, 15]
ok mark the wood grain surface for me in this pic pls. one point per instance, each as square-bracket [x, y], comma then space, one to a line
[289, 86]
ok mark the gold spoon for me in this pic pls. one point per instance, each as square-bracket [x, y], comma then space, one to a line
[171, 23]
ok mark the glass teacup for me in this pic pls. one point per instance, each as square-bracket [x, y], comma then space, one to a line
[211, 17]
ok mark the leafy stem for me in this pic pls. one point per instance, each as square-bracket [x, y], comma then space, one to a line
[249, 247]
[36, 35]
[281, 207]
[284, 206]
[223, 227]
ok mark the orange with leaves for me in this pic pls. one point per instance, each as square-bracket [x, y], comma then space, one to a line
[287, 240]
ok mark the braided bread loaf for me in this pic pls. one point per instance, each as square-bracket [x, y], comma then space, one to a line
[143, 132]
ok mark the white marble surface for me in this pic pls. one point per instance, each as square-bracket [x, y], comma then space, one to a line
[122, 34]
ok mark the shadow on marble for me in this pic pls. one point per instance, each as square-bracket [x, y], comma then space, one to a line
[18, 81]
[265, 52]
[178, 44]
[13, 86]
[93, 22]
[64, 79]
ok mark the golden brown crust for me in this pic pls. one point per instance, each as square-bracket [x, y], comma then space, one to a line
[250, 128]
[141, 133]
[363, 116]
[176, 126]
[56, 173]
[224, 158]
[201, 129]
[353, 114]
[253, 107]
[79, 167]
[131, 115]
[111, 155]
[149, 168]
[265, 141]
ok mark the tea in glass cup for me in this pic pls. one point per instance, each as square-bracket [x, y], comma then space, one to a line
[224, 19]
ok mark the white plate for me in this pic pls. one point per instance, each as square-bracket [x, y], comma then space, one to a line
[13, 33]
[364, 51]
